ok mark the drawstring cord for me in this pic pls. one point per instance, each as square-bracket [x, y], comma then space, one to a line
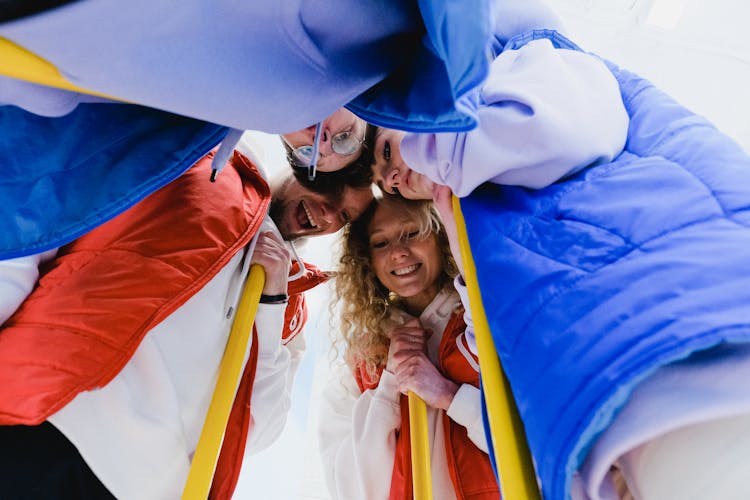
[301, 263]
[224, 152]
[316, 147]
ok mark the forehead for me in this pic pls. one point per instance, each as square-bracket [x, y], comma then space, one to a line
[390, 216]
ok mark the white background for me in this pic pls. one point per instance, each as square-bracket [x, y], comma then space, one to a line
[696, 50]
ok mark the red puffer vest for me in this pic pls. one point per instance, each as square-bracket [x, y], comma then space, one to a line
[87, 316]
[470, 468]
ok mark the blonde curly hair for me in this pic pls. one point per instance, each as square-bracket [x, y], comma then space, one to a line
[365, 304]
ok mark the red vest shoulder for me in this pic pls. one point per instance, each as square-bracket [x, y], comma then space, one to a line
[104, 291]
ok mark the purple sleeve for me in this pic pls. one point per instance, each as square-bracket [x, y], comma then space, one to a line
[546, 113]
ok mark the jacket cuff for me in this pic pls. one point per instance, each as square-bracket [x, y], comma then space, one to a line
[465, 407]
[269, 320]
[387, 389]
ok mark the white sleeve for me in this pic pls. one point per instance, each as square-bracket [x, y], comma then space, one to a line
[17, 279]
[466, 407]
[545, 113]
[466, 410]
[274, 377]
[357, 434]
[460, 285]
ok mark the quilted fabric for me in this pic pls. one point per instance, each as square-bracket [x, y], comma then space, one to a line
[594, 282]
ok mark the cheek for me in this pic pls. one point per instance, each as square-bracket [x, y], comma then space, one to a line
[424, 184]
[378, 263]
[295, 139]
[433, 257]
[377, 172]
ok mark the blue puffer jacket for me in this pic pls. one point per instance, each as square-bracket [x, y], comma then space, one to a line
[594, 282]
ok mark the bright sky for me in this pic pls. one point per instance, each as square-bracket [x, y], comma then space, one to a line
[695, 50]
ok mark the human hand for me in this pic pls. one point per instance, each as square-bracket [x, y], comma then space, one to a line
[417, 374]
[271, 253]
[406, 339]
[442, 197]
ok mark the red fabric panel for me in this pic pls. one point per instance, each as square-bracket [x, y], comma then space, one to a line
[107, 289]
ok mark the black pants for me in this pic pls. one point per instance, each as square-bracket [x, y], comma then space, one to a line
[38, 462]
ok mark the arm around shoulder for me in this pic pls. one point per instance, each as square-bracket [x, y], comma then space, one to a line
[544, 113]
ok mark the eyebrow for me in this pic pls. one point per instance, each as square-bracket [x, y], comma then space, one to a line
[375, 234]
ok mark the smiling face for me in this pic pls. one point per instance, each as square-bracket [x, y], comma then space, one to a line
[299, 212]
[407, 261]
[337, 126]
[390, 172]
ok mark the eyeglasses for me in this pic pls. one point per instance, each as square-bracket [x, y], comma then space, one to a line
[344, 143]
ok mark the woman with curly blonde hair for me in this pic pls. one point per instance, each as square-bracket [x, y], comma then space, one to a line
[366, 304]
[402, 330]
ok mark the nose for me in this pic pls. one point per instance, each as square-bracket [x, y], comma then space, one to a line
[327, 212]
[325, 147]
[391, 178]
[399, 249]
[329, 219]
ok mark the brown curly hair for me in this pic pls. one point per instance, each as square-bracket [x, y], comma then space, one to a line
[365, 304]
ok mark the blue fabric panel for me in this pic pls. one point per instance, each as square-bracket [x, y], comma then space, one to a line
[64, 176]
[431, 90]
[594, 282]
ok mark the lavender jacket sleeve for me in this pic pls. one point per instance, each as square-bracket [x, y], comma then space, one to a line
[545, 113]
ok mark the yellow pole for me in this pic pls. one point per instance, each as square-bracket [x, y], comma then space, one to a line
[420, 448]
[21, 64]
[206, 454]
[512, 456]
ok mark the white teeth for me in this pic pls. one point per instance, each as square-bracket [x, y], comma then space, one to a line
[405, 270]
[310, 218]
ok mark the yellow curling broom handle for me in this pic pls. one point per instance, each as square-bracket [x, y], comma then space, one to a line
[512, 456]
[420, 448]
[206, 454]
[21, 64]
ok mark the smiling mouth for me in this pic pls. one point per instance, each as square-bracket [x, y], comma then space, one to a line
[406, 270]
[305, 217]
